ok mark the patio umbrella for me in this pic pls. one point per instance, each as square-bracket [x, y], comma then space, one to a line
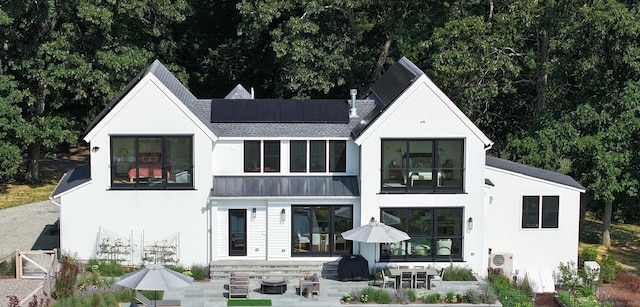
[375, 232]
[154, 277]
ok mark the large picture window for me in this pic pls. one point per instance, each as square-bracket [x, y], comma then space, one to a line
[540, 212]
[152, 162]
[317, 230]
[422, 165]
[436, 234]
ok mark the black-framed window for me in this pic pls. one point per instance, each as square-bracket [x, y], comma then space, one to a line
[337, 156]
[298, 156]
[261, 156]
[272, 156]
[317, 230]
[436, 234]
[152, 162]
[540, 211]
[422, 165]
[317, 156]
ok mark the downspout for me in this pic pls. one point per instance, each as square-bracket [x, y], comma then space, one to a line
[54, 202]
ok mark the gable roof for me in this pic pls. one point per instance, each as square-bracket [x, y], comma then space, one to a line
[163, 74]
[533, 172]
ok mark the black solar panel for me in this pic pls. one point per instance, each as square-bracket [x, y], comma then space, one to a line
[246, 110]
[221, 111]
[291, 111]
[314, 112]
[279, 111]
[269, 110]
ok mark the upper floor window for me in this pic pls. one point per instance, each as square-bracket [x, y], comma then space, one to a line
[540, 212]
[262, 156]
[151, 162]
[422, 164]
[317, 156]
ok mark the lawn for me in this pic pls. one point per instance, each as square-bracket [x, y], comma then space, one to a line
[625, 242]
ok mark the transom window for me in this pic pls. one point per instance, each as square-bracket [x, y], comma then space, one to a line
[152, 162]
[540, 211]
[436, 234]
[422, 165]
[318, 158]
[317, 230]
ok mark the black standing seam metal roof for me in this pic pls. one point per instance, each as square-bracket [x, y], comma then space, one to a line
[273, 186]
[72, 179]
[533, 172]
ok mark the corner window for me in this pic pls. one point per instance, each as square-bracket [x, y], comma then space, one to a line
[436, 234]
[152, 162]
[261, 156]
[422, 165]
[540, 212]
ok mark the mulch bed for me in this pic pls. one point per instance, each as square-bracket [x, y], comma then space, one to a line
[622, 291]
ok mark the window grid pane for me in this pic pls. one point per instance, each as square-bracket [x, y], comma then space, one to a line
[298, 156]
[550, 211]
[530, 211]
[317, 156]
[338, 157]
[272, 156]
[252, 156]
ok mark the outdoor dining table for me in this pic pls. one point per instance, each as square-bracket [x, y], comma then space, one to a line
[397, 273]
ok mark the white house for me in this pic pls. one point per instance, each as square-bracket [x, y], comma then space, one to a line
[198, 180]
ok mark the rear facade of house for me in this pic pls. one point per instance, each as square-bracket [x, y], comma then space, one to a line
[179, 179]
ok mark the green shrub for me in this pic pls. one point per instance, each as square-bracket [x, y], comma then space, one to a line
[198, 272]
[66, 277]
[589, 254]
[609, 268]
[454, 273]
[565, 298]
[449, 297]
[8, 268]
[432, 298]
[509, 292]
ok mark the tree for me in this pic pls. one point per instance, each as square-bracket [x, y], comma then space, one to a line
[69, 58]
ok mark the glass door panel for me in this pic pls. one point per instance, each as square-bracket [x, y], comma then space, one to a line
[237, 232]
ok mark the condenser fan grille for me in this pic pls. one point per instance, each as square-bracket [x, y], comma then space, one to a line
[498, 260]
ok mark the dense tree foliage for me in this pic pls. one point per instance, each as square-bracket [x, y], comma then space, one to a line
[554, 83]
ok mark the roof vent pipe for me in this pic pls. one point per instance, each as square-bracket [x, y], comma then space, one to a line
[253, 93]
[353, 112]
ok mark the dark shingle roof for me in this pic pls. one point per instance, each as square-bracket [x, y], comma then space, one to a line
[202, 109]
[72, 179]
[259, 186]
[533, 172]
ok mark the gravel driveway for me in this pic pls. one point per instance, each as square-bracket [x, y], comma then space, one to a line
[22, 228]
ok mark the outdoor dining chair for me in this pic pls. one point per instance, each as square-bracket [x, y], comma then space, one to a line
[406, 277]
[421, 278]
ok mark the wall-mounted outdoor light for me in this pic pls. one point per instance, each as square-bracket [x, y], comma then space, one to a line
[95, 149]
[253, 213]
[470, 223]
[282, 215]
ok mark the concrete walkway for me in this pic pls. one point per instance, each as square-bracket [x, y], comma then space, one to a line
[214, 293]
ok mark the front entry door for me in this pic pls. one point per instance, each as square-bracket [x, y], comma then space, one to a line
[237, 232]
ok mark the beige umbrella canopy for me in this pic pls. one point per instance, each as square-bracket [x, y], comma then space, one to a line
[154, 277]
[375, 232]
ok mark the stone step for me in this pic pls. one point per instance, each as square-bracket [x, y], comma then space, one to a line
[273, 269]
